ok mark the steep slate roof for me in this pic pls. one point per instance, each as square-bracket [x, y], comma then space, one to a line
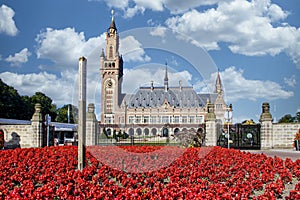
[186, 97]
[212, 97]
[113, 24]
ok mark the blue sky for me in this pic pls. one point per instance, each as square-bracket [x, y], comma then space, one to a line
[255, 45]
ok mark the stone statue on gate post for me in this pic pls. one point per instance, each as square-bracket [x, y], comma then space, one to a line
[210, 123]
[266, 130]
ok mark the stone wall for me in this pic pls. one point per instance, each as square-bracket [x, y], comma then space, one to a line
[284, 134]
[25, 134]
[273, 135]
[18, 136]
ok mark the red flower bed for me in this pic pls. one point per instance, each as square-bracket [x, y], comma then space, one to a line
[178, 174]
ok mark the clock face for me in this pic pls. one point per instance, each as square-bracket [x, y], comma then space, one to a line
[109, 84]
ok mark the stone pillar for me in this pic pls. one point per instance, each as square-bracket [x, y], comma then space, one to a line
[266, 131]
[91, 126]
[37, 126]
[210, 122]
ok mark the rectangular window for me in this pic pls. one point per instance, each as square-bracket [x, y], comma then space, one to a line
[108, 120]
[218, 106]
[192, 119]
[165, 119]
[153, 120]
[146, 120]
[201, 119]
[130, 119]
[184, 119]
[158, 119]
[121, 120]
[138, 119]
[176, 119]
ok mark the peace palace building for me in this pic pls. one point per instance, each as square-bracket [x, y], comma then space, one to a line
[152, 110]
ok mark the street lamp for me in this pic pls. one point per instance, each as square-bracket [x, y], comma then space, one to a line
[228, 119]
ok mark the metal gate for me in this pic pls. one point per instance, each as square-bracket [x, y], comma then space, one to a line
[241, 136]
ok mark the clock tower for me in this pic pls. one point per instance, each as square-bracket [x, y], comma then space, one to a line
[111, 71]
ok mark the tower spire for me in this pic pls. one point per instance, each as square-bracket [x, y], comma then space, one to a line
[112, 24]
[166, 79]
[219, 87]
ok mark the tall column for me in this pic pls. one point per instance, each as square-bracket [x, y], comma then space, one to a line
[210, 123]
[91, 126]
[81, 112]
[37, 126]
[266, 131]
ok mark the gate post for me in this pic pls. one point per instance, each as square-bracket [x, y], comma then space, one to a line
[266, 127]
[91, 126]
[37, 126]
[210, 123]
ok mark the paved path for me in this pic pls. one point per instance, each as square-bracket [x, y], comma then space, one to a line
[282, 153]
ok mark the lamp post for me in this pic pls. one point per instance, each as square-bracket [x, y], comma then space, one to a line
[228, 119]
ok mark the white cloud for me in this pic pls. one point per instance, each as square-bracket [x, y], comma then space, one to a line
[159, 31]
[19, 58]
[245, 26]
[237, 87]
[179, 6]
[152, 5]
[117, 4]
[65, 46]
[131, 50]
[142, 76]
[139, 6]
[133, 7]
[7, 24]
[290, 81]
[61, 89]
[276, 13]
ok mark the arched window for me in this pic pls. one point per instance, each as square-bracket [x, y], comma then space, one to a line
[154, 131]
[146, 131]
[165, 132]
[131, 132]
[200, 130]
[139, 131]
[110, 52]
[176, 131]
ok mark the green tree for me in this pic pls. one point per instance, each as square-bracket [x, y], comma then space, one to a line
[120, 135]
[28, 108]
[125, 135]
[62, 114]
[46, 103]
[288, 118]
[115, 135]
[298, 116]
[11, 104]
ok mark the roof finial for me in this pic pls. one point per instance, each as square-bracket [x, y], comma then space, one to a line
[166, 72]
[166, 79]
[112, 24]
[112, 14]
[218, 85]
